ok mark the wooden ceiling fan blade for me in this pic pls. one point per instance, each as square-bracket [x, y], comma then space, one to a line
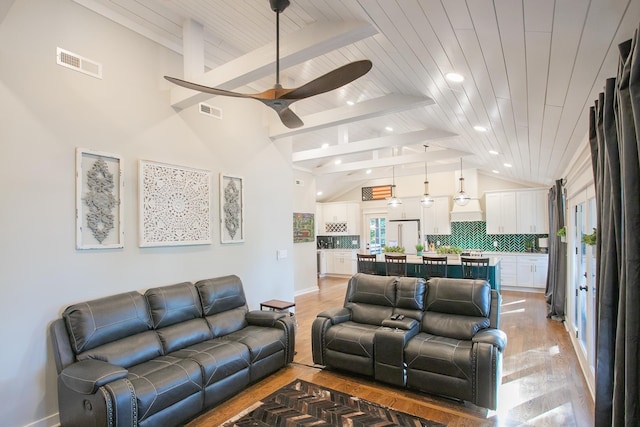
[332, 80]
[207, 89]
[289, 118]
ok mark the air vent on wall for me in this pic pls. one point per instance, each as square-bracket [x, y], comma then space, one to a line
[209, 110]
[299, 182]
[76, 62]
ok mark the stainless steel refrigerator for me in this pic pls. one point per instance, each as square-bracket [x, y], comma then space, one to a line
[404, 233]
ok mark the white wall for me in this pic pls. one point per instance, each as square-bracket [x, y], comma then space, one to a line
[47, 111]
[304, 254]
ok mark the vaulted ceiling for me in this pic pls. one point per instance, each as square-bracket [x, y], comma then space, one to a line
[531, 69]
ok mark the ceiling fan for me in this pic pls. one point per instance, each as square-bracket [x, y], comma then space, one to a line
[280, 98]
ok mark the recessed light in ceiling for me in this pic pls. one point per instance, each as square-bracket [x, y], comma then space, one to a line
[337, 162]
[368, 171]
[494, 152]
[454, 77]
[495, 171]
[325, 145]
[319, 193]
[350, 103]
[508, 165]
[388, 129]
[480, 128]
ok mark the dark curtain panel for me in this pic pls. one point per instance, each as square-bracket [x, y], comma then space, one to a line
[557, 270]
[614, 126]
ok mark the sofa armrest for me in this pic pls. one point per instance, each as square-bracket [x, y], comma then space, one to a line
[86, 376]
[405, 324]
[494, 337]
[264, 318]
[336, 315]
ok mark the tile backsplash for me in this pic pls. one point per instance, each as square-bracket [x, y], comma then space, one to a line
[473, 235]
[339, 242]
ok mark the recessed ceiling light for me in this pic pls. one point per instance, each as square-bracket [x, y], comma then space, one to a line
[351, 103]
[319, 193]
[494, 152]
[325, 145]
[368, 171]
[495, 171]
[337, 162]
[508, 165]
[480, 128]
[454, 77]
[388, 129]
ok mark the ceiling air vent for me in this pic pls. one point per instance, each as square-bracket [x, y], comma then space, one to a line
[209, 110]
[76, 62]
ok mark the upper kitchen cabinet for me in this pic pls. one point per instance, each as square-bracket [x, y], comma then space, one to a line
[533, 215]
[409, 209]
[436, 218]
[501, 212]
[339, 218]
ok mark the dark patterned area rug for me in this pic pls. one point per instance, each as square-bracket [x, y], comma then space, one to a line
[305, 404]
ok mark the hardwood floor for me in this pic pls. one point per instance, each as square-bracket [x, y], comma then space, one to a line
[541, 381]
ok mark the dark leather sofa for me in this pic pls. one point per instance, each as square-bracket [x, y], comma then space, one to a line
[448, 342]
[161, 358]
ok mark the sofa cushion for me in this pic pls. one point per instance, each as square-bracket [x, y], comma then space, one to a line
[100, 321]
[221, 294]
[410, 293]
[440, 355]
[261, 342]
[164, 381]
[453, 325]
[184, 334]
[371, 298]
[127, 351]
[173, 304]
[219, 358]
[351, 338]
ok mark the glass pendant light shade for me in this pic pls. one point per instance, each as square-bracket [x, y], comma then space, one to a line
[393, 201]
[427, 200]
[461, 198]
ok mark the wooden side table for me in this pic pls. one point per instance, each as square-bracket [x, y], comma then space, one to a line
[276, 304]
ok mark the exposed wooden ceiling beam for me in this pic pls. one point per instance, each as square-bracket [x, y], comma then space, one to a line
[408, 138]
[295, 48]
[376, 107]
[390, 161]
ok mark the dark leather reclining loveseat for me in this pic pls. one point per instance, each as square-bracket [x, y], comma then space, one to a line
[448, 342]
[160, 358]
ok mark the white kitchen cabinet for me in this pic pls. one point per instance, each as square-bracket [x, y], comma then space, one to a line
[533, 216]
[341, 262]
[508, 270]
[409, 209]
[532, 270]
[339, 219]
[436, 219]
[501, 212]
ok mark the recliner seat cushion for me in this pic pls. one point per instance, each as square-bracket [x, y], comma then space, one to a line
[441, 355]
[351, 338]
[164, 381]
[219, 358]
[261, 341]
[370, 298]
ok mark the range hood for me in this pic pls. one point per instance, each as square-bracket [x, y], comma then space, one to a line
[472, 211]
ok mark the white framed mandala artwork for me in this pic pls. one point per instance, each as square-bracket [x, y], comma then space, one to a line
[231, 209]
[99, 207]
[174, 205]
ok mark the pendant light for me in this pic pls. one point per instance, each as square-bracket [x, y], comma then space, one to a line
[461, 198]
[427, 200]
[393, 201]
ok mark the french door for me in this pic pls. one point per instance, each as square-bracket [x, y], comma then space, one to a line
[583, 274]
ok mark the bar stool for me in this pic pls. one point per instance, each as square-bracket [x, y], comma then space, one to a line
[396, 265]
[475, 268]
[434, 266]
[367, 264]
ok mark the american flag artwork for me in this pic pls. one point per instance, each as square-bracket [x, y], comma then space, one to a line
[379, 192]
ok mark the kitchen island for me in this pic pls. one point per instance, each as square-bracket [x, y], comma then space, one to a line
[454, 268]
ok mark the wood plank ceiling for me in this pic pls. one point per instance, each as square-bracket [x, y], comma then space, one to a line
[531, 67]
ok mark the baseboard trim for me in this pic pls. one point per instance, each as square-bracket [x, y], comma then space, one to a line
[306, 291]
[50, 421]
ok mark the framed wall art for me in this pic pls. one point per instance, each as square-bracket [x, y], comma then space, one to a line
[231, 209]
[303, 227]
[175, 205]
[99, 207]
